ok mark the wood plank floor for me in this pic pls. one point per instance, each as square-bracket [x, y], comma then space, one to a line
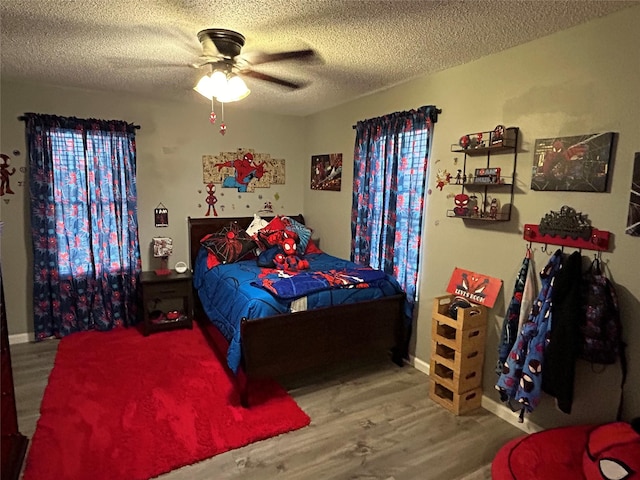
[368, 421]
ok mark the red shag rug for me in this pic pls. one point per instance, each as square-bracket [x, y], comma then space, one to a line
[123, 406]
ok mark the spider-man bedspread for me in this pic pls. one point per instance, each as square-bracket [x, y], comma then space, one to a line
[230, 293]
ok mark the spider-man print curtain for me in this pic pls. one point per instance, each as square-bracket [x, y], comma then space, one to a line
[86, 255]
[389, 178]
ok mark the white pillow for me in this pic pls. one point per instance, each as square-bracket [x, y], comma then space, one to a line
[257, 223]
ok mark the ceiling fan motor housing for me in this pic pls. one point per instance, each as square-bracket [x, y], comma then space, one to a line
[228, 42]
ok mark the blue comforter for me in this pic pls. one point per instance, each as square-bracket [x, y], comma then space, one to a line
[229, 293]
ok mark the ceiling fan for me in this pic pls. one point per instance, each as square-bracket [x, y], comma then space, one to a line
[221, 51]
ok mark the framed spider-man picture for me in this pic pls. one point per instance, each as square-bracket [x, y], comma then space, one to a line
[579, 163]
[326, 172]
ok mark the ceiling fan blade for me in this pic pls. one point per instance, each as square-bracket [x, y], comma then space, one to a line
[269, 78]
[209, 49]
[139, 63]
[259, 58]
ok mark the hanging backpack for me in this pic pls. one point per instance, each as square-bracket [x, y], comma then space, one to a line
[601, 327]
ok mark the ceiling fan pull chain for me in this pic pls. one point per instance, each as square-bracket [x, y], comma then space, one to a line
[212, 116]
[223, 126]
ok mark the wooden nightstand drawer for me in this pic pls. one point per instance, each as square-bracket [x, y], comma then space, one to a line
[165, 290]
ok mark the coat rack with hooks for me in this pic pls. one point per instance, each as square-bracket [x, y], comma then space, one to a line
[567, 228]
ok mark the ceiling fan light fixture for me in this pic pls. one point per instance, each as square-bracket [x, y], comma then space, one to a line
[225, 88]
[236, 90]
[204, 87]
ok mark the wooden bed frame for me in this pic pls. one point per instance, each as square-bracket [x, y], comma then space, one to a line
[314, 337]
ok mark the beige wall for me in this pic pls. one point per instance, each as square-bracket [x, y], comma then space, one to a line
[579, 81]
[170, 145]
[583, 80]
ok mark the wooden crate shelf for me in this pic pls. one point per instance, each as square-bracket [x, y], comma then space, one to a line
[445, 334]
[455, 381]
[457, 355]
[457, 360]
[472, 317]
[458, 403]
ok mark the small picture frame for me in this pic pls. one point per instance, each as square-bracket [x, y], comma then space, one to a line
[161, 215]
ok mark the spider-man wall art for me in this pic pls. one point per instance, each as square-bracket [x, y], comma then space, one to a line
[578, 163]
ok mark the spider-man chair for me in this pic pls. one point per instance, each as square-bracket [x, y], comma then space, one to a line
[586, 452]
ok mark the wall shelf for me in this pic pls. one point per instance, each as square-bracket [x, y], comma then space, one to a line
[492, 206]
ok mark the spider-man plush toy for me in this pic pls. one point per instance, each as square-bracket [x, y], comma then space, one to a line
[288, 260]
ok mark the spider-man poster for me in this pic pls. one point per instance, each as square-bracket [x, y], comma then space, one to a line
[579, 163]
[475, 287]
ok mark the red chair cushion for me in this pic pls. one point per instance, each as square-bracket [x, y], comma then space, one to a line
[554, 454]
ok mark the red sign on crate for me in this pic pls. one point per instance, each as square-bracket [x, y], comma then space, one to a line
[475, 287]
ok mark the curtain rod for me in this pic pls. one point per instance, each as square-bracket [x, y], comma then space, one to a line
[435, 117]
[22, 118]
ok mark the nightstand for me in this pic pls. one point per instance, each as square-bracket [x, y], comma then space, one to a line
[167, 301]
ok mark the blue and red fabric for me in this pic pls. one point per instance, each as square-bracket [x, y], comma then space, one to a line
[389, 177]
[86, 255]
[521, 374]
[510, 323]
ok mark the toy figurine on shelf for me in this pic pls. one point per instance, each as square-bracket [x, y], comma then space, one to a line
[497, 135]
[493, 209]
[461, 201]
[479, 143]
[458, 177]
[473, 206]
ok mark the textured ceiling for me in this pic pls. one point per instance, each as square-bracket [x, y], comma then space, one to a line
[148, 45]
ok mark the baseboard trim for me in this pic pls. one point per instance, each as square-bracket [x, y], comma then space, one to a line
[19, 338]
[505, 413]
[419, 365]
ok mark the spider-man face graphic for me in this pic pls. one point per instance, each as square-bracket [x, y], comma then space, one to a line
[473, 285]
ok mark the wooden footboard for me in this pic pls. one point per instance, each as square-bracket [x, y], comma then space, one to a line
[290, 343]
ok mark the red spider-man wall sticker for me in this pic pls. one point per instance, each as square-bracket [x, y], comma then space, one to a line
[5, 174]
[211, 200]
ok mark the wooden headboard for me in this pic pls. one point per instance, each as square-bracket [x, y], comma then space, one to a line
[199, 227]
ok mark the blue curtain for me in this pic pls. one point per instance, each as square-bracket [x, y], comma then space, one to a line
[86, 255]
[389, 178]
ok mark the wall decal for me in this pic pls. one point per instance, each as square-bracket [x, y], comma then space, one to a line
[211, 200]
[633, 219]
[243, 169]
[6, 173]
[326, 172]
[442, 178]
[579, 163]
